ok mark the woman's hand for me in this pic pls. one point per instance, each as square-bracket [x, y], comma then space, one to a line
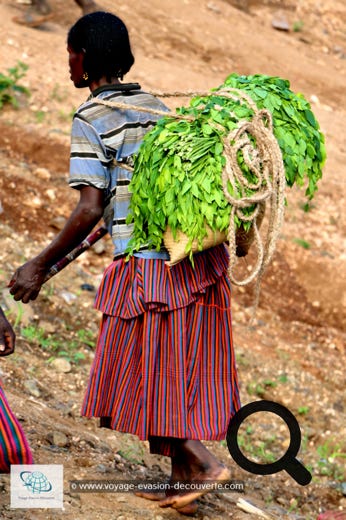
[7, 336]
[27, 281]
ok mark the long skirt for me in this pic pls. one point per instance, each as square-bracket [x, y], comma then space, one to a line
[14, 448]
[164, 364]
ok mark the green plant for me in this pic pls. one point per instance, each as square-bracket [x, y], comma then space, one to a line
[19, 314]
[298, 26]
[86, 337]
[36, 335]
[133, 454]
[303, 410]
[306, 206]
[9, 87]
[67, 116]
[303, 243]
[283, 354]
[67, 348]
[259, 388]
[329, 463]
[256, 450]
[40, 116]
[294, 503]
[282, 378]
[242, 360]
[57, 94]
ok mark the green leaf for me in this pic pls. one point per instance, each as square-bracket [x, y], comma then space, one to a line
[261, 93]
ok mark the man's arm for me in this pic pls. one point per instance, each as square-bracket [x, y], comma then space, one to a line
[27, 280]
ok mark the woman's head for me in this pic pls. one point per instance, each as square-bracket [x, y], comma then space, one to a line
[102, 42]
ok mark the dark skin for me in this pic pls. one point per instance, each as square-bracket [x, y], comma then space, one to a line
[27, 281]
[193, 461]
[7, 336]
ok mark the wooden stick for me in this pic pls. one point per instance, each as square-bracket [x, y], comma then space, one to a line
[83, 246]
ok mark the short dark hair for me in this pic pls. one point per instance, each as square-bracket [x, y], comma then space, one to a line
[104, 39]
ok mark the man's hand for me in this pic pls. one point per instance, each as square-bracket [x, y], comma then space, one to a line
[27, 281]
[7, 336]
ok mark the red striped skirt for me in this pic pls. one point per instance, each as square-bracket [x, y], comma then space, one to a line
[14, 448]
[164, 362]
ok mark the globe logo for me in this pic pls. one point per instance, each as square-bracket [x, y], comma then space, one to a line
[36, 481]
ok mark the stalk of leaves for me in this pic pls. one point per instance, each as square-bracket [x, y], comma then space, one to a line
[177, 172]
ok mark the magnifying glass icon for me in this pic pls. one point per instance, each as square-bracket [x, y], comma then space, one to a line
[288, 461]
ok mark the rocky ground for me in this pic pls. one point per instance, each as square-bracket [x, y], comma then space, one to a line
[293, 353]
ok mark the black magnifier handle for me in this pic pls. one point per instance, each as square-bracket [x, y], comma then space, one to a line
[297, 471]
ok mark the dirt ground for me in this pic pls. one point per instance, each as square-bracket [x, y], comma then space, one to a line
[294, 353]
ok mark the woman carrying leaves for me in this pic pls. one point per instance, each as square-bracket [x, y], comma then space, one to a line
[14, 448]
[164, 367]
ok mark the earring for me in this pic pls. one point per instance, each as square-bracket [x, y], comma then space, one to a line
[85, 76]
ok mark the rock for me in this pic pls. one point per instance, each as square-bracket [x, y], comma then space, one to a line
[32, 388]
[87, 287]
[42, 173]
[34, 202]
[103, 447]
[101, 468]
[61, 365]
[48, 327]
[57, 222]
[57, 439]
[68, 297]
[314, 99]
[214, 8]
[243, 5]
[51, 194]
[99, 248]
[85, 462]
[280, 22]
[117, 458]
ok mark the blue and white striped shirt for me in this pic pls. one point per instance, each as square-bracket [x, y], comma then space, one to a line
[101, 134]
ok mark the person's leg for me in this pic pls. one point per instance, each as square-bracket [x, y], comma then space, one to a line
[42, 6]
[193, 463]
[87, 6]
[204, 365]
[170, 447]
[14, 448]
[38, 13]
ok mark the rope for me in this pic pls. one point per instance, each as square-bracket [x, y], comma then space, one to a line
[138, 108]
[262, 155]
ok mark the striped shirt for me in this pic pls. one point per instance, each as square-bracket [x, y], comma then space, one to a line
[101, 134]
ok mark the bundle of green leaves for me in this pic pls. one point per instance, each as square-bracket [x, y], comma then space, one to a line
[177, 172]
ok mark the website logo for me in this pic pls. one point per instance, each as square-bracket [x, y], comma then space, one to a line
[37, 486]
[36, 481]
